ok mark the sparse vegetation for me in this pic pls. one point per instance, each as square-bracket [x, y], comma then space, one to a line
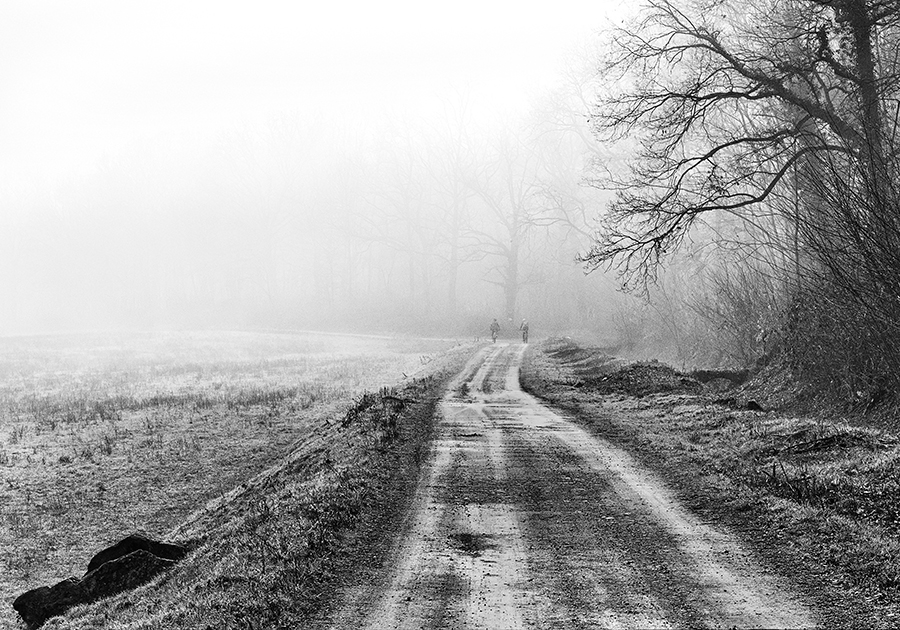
[818, 494]
[101, 438]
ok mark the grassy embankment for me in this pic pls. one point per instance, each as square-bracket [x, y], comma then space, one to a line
[103, 437]
[817, 497]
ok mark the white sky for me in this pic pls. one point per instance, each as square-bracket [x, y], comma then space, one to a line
[82, 78]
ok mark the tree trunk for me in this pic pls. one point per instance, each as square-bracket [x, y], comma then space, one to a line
[454, 261]
[857, 14]
[511, 286]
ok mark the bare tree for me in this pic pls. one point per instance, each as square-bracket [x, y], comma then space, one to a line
[418, 209]
[729, 99]
[449, 162]
[506, 183]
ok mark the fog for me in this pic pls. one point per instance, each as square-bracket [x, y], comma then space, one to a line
[352, 166]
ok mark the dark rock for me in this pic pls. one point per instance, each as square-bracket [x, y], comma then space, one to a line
[123, 574]
[124, 566]
[134, 542]
[38, 605]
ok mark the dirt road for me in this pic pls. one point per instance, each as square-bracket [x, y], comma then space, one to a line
[524, 520]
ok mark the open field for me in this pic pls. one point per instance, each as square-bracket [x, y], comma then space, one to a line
[102, 435]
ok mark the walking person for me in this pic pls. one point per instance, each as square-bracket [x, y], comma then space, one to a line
[495, 328]
[524, 328]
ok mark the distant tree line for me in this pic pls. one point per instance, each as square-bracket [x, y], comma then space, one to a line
[432, 225]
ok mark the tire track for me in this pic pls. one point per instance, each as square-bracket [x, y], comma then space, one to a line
[523, 519]
[462, 561]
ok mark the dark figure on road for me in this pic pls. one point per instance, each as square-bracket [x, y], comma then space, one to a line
[495, 328]
[524, 328]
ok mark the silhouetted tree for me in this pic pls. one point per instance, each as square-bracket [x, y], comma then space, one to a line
[730, 100]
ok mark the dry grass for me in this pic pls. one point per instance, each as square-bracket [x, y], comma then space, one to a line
[821, 495]
[269, 553]
[104, 435]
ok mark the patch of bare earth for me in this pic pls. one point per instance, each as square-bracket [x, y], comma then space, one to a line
[524, 519]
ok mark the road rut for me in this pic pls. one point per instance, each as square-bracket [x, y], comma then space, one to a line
[524, 520]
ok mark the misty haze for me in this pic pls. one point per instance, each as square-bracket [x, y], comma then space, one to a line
[396, 315]
[348, 169]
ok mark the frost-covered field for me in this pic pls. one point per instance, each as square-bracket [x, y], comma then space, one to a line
[101, 435]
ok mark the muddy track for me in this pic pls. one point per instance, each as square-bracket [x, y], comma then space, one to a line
[524, 520]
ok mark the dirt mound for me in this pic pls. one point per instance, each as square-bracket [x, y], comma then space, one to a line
[598, 369]
[733, 378]
[576, 356]
[640, 379]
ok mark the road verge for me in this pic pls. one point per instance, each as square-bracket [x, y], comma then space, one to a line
[270, 553]
[806, 495]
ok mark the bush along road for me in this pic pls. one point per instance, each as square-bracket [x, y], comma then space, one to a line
[524, 516]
